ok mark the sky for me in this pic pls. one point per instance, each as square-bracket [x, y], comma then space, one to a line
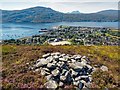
[84, 6]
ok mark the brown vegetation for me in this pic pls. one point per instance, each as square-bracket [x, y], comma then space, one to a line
[16, 73]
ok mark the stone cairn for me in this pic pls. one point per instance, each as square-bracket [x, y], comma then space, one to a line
[64, 69]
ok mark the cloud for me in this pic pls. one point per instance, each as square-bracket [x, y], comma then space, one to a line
[59, 1]
[84, 7]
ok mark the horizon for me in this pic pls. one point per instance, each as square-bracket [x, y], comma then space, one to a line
[64, 7]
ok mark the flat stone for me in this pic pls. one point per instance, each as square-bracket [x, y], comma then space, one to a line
[56, 57]
[76, 65]
[51, 65]
[56, 53]
[62, 59]
[42, 62]
[36, 70]
[46, 55]
[78, 58]
[77, 78]
[51, 84]
[50, 58]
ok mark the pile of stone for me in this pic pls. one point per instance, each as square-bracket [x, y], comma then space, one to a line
[64, 69]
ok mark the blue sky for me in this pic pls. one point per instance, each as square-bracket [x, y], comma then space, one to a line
[84, 6]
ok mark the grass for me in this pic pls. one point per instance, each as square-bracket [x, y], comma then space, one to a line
[16, 73]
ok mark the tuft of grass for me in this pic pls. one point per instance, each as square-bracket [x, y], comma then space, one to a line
[6, 49]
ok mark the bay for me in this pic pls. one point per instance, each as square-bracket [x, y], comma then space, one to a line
[20, 30]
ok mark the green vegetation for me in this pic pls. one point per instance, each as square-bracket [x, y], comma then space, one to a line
[18, 58]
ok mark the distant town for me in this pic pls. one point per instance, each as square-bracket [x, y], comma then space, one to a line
[71, 35]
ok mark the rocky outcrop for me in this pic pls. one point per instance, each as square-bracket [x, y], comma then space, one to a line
[64, 69]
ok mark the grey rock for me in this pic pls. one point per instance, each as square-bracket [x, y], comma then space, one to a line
[51, 84]
[60, 69]
[62, 78]
[62, 59]
[48, 77]
[60, 64]
[54, 62]
[56, 57]
[50, 58]
[36, 70]
[80, 85]
[56, 53]
[75, 83]
[46, 55]
[78, 58]
[104, 68]
[63, 72]
[73, 73]
[43, 72]
[77, 78]
[76, 65]
[73, 61]
[42, 62]
[55, 72]
[61, 84]
[51, 65]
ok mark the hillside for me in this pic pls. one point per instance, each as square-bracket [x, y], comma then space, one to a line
[18, 59]
[43, 14]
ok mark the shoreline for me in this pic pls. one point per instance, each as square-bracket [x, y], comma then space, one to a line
[74, 34]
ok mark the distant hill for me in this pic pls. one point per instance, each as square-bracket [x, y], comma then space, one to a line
[75, 12]
[43, 14]
[109, 12]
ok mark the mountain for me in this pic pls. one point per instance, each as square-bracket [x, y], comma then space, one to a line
[109, 12]
[43, 14]
[75, 12]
